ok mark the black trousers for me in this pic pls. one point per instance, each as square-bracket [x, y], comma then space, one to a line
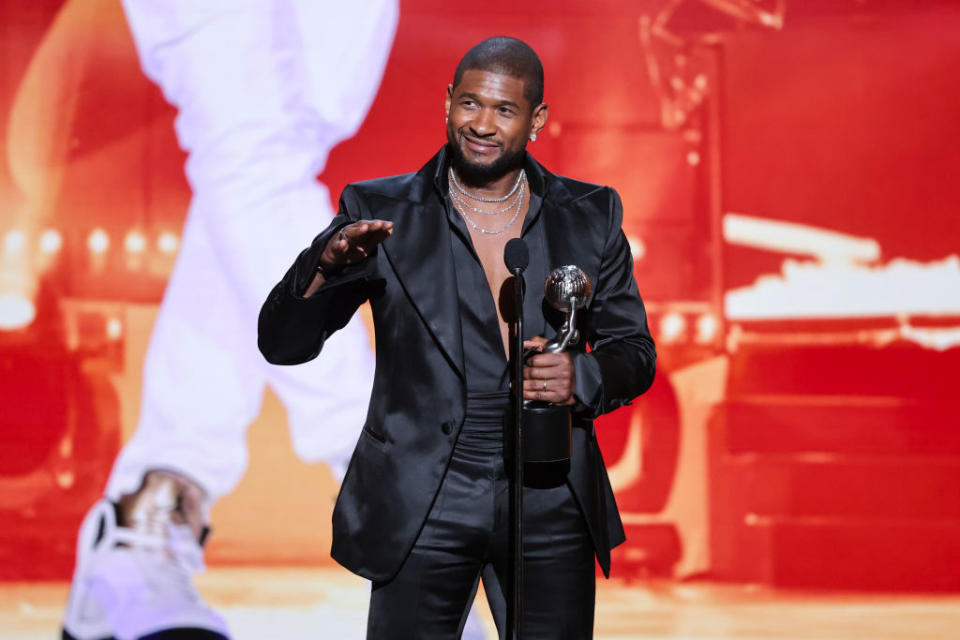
[467, 537]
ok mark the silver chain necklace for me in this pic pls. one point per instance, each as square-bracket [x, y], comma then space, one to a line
[456, 185]
[494, 232]
[463, 203]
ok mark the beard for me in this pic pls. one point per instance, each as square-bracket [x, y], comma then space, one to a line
[479, 175]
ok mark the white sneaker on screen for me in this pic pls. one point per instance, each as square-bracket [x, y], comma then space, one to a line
[137, 585]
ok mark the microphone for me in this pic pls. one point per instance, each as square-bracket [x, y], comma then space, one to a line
[516, 255]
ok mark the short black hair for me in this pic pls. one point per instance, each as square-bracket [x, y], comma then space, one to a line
[509, 56]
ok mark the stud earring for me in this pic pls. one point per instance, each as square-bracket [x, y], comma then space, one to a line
[533, 137]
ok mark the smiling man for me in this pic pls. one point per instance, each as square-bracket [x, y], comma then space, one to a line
[423, 510]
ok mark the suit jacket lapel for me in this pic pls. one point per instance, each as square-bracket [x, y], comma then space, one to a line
[557, 220]
[535, 321]
[420, 254]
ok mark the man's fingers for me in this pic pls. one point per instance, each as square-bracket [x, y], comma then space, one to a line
[539, 374]
[353, 232]
[546, 373]
[367, 233]
[364, 226]
[548, 391]
[535, 342]
[543, 360]
[548, 376]
[356, 241]
[544, 384]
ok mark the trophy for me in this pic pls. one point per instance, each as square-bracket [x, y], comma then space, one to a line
[546, 434]
[567, 289]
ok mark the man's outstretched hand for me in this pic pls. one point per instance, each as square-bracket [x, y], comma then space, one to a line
[353, 243]
[349, 245]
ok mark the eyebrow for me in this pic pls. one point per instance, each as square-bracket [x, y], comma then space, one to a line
[499, 104]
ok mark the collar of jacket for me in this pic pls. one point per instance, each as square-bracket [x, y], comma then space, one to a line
[433, 175]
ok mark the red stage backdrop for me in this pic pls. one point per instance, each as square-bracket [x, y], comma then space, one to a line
[789, 183]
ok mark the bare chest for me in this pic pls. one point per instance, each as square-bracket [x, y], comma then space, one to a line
[489, 249]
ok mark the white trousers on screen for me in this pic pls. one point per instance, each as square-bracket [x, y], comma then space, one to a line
[264, 89]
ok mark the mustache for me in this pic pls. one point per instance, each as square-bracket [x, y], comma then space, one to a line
[461, 135]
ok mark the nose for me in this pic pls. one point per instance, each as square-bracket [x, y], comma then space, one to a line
[482, 124]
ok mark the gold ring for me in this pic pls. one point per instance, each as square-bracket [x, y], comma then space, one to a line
[544, 385]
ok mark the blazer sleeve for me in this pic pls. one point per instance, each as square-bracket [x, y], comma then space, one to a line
[292, 329]
[623, 358]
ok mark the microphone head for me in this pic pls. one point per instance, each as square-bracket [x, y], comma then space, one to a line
[516, 255]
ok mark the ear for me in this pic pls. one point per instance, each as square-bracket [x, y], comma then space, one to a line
[539, 119]
[449, 100]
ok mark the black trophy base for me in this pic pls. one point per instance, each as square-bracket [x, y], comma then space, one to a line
[546, 432]
[546, 444]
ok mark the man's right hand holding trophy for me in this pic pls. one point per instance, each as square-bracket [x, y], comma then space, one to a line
[547, 422]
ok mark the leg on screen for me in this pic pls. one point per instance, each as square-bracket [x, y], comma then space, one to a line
[256, 137]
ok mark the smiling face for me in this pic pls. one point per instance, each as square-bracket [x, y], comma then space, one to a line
[489, 121]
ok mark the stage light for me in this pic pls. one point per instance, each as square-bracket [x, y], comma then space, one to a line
[50, 241]
[752, 12]
[707, 326]
[114, 328]
[826, 245]
[98, 241]
[672, 326]
[14, 241]
[65, 479]
[16, 311]
[168, 242]
[135, 242]
[637, 248]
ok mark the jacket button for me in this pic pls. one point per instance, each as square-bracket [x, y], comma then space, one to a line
[447, 427]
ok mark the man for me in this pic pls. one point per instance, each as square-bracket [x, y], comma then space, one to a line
[423, 507]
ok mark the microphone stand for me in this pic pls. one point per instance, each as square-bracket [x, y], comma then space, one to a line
[516, 256]
[517, 511]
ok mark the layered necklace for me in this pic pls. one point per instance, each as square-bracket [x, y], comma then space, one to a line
[513, 200]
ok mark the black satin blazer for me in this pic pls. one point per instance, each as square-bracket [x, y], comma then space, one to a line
[419, 394]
